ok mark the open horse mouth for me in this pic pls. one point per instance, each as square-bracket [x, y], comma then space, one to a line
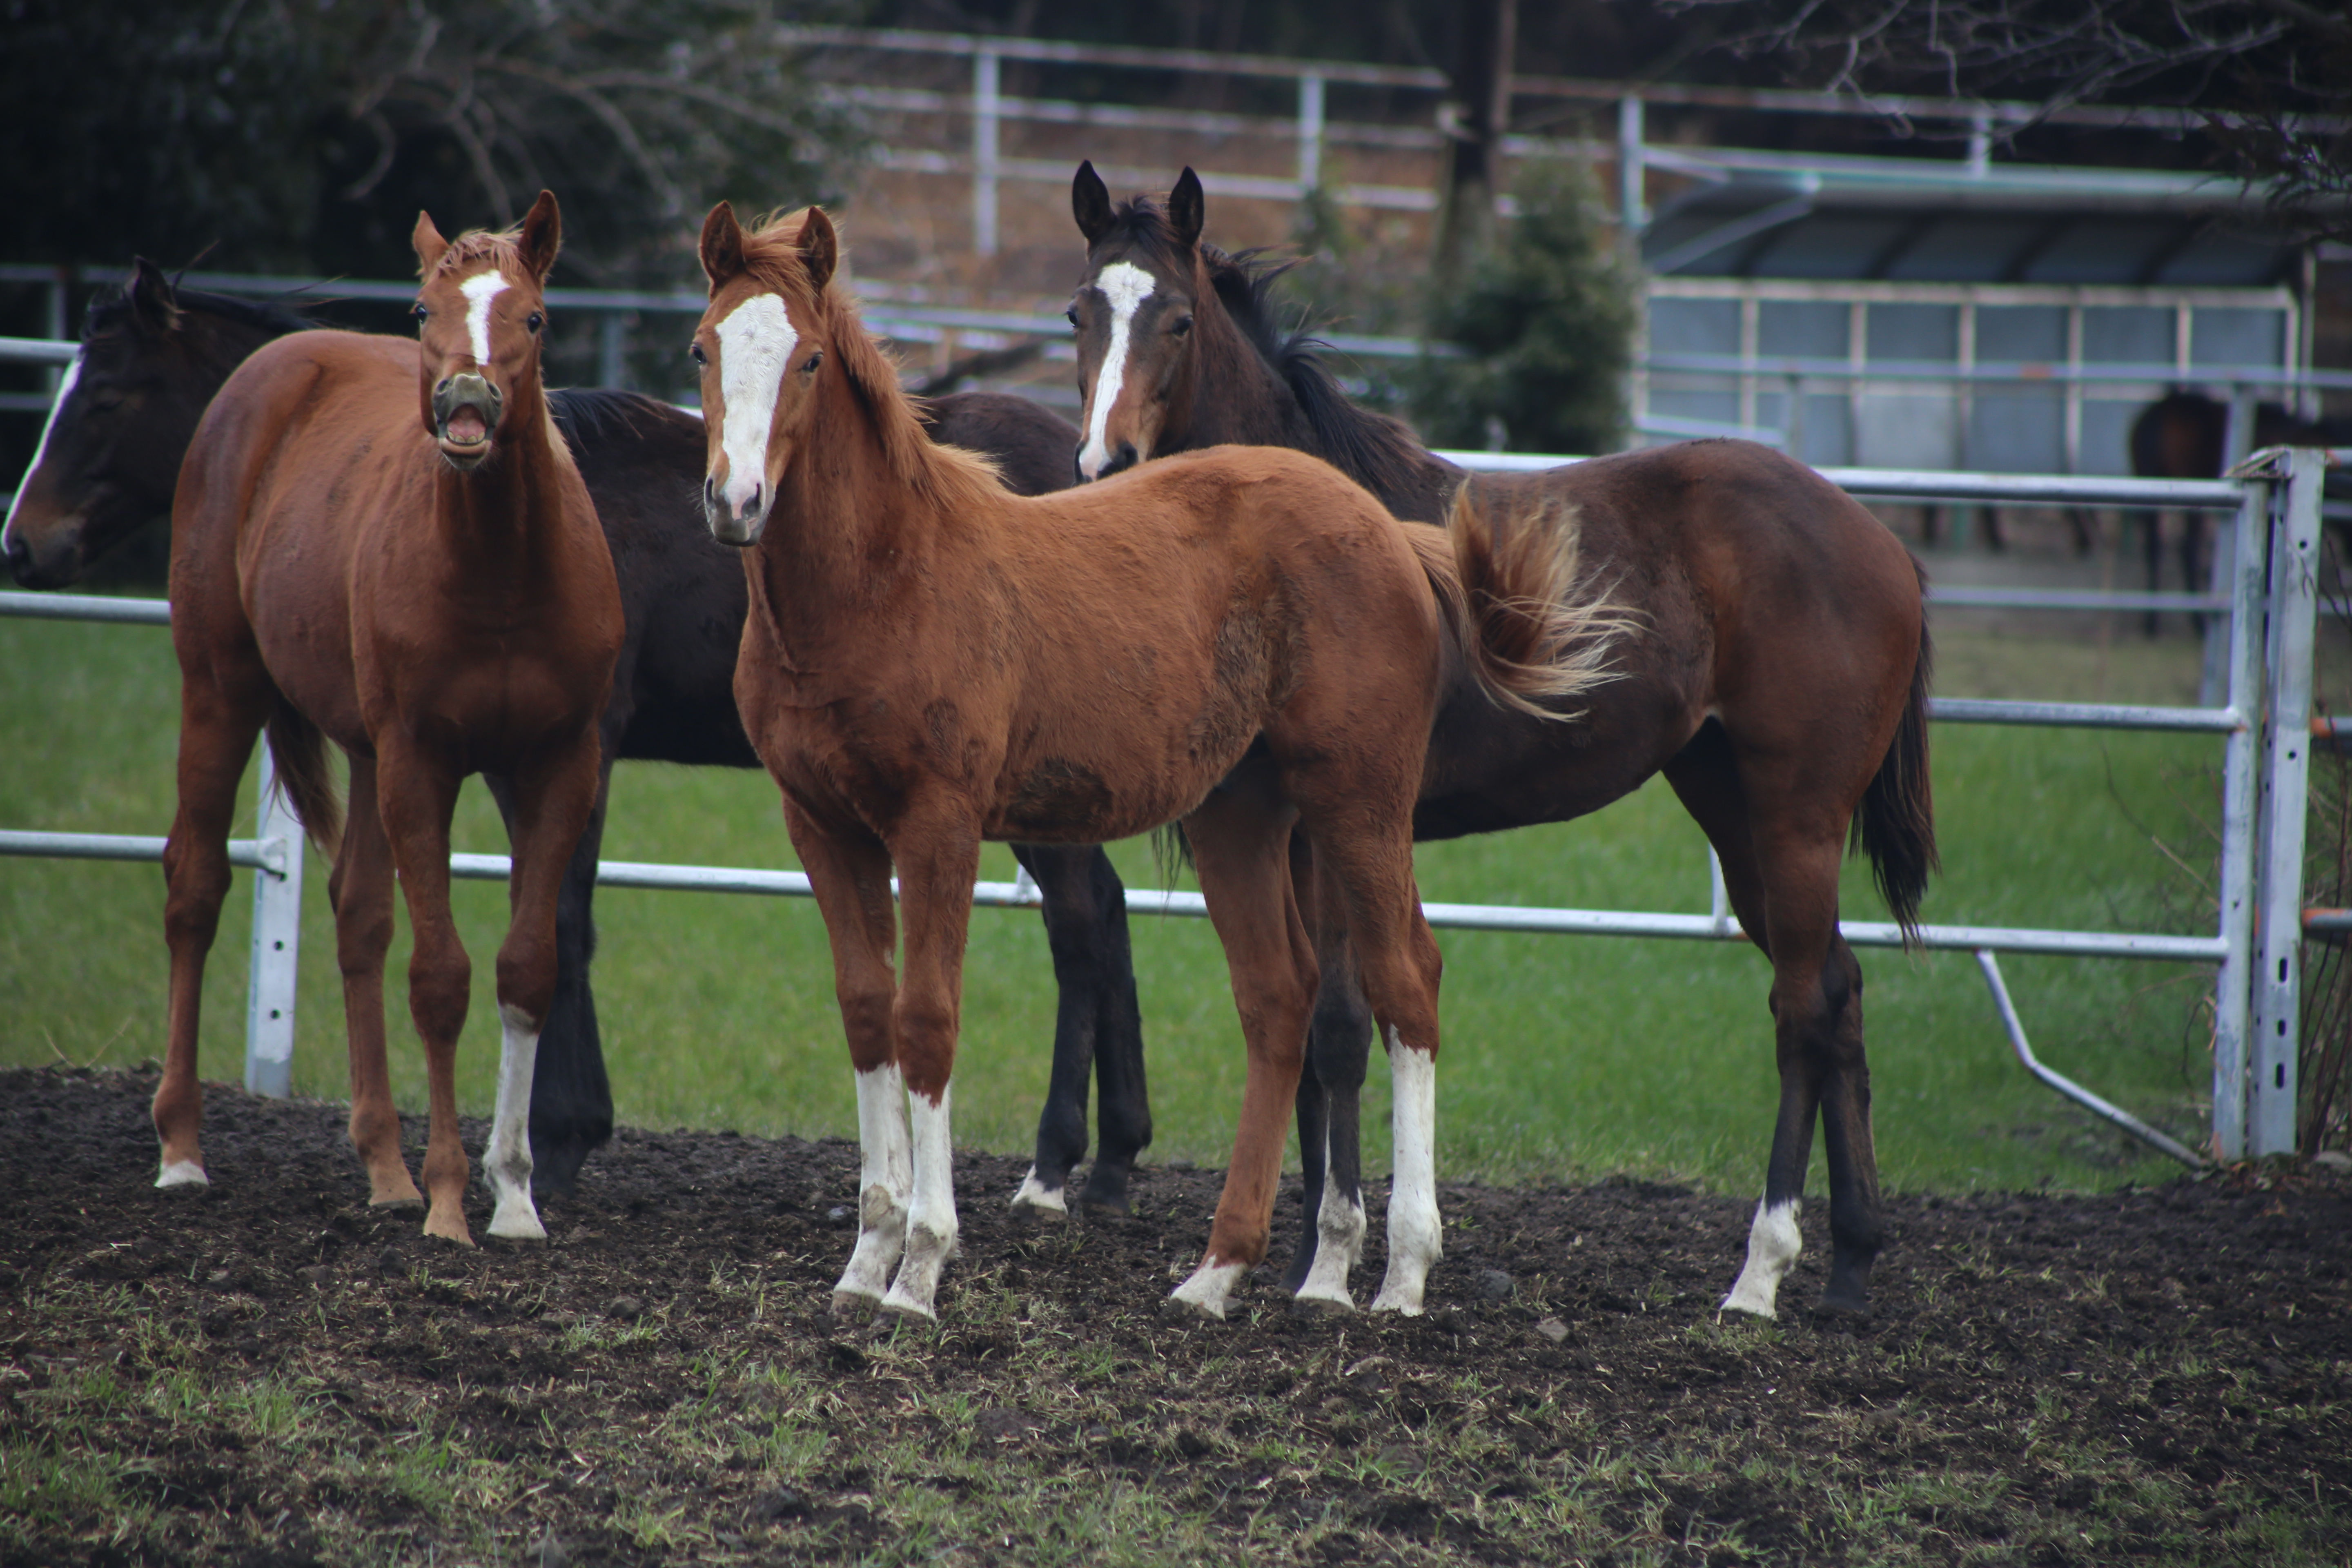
[465, 409]
[466, 428]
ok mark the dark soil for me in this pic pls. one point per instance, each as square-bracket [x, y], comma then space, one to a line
[2045, 1378]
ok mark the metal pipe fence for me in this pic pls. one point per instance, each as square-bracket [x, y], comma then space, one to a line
[2268, 588]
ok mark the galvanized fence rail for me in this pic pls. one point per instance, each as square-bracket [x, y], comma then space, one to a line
[2267, 587]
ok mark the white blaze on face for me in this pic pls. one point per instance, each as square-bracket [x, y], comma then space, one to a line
[479, 290]
[1125, 287]
[755, 346]
[65, 391]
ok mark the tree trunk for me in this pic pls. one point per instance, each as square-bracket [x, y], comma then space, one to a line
[1486, 32]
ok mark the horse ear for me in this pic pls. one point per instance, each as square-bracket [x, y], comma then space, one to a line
[429, 244]
[820, 248]
[722, 246]
[1187, 208]
[542, 234]
[153, 301]
[1090, 201]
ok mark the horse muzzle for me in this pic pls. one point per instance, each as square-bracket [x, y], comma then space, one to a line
[735, 522]
[465, 413]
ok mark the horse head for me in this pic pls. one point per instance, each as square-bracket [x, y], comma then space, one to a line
[480, 317]
[758, 345]
[1134, 312]
[111, 452]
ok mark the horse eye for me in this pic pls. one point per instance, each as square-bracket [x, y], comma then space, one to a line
[815, 360]
[694, 351]
[534, 322]
[420, 312]
[1182, 325]
[1071, 313]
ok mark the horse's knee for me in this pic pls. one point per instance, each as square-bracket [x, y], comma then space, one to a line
[360, 944]
[440, 980]
[527, 977]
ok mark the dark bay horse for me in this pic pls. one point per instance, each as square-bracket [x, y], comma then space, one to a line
[151, 360]
[386, 546]
[1776, 675]
[1241, 640]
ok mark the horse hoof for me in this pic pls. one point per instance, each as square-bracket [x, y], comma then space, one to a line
[899, 1305]
[849, 1304]
[1177, 1310]
[1323, 1306]
[1035, 1200]
[183, 1176]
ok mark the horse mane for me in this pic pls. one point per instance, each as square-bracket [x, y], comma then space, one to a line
[951, 476]
[270, 316]
[1379, 452]
[499, 246]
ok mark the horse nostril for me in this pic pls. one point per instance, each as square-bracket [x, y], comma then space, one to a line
[709, 493]
[441, 386]
[1120, 460]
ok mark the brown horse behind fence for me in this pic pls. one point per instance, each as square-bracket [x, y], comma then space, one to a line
[1241, 640]
[391, 549]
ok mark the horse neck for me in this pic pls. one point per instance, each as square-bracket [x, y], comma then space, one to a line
[846, 529]
[217, 344]
[1237, 398]
[510, 510]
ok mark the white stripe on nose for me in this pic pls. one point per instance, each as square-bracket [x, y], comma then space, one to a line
[479, 290]
[65, 391]
[755, 345]
[1126, 287]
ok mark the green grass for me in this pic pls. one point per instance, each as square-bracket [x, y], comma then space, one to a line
[1562, 1058]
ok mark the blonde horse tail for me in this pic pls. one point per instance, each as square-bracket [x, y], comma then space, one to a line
[1535, 635]
[304, 779]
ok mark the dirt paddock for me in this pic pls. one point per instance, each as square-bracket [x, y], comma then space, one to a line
[272, 1374]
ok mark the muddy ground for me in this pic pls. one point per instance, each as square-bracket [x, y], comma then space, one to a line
[272, 1374]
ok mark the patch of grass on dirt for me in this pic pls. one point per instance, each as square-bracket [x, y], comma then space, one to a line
[275, 1373]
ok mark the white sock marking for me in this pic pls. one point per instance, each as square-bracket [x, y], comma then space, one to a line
[65, 390]
[931, 1222]
[755, 349]
[1339, 1241]
[1207, 1290]
[479, 290]
[1126, 287]
[507, 1162]
[183, 1173]
[885, 1181]
[1036, 1195]
[1415, 1231]
[1773, 1243]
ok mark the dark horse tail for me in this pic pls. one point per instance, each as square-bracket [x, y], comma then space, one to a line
[299, 751]
[1896, 825]
[1507, 580]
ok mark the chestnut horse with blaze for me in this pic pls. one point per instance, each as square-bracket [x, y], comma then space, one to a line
[1240, 641]
[388, 546]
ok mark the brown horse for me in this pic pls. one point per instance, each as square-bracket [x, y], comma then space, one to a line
[392, 549]
[1239, 641]
[1779, 681]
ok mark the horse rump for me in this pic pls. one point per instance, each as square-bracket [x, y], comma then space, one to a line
[304, 780]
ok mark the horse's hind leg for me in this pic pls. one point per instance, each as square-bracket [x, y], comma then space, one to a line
[1331, 1099]
[1098, 1030]
[1780, 869]
[223, 704]
[361, 891]
[570, 1096]
[552, 806]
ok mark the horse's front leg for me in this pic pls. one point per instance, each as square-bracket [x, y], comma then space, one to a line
[849, 870]
[936, 847]
[570, 1096]
[419, 795]
[554, 802]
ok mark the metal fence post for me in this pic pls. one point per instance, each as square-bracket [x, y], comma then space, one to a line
[277, 940]
[1310, 133]
[612, 350]
[2277, 1024]
[2233, 985]
[984, 112]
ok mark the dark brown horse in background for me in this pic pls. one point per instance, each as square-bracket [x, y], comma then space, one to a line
[1778, 677]
[151, 360]
[1241, 640]
[385, 545]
